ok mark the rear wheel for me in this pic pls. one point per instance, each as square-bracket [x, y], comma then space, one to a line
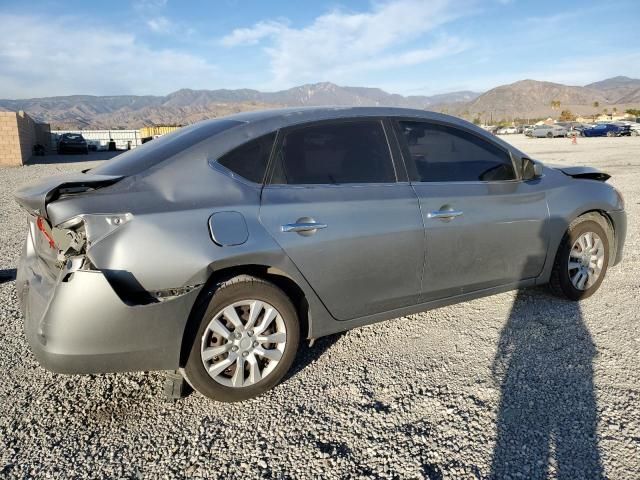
[549, 135]
[611, 134]
[582, 258]
[246, 342]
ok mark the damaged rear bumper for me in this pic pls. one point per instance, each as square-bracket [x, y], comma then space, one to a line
[75, 322]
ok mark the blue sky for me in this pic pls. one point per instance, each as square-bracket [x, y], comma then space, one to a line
[409, 47]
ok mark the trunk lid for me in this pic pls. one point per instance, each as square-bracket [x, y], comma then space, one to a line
[34, 198]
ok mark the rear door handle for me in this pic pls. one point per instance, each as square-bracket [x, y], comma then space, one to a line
[445, 214]
[304, 226]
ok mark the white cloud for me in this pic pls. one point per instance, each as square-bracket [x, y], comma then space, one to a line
[251, 36]
[338, 44]
[160, 24]
[45, 57]
[149, 5]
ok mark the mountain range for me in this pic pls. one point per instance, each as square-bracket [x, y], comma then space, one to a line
[523, 99]
[535, 99]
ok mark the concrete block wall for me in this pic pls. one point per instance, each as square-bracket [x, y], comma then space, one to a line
[18, 134]
[10, 149]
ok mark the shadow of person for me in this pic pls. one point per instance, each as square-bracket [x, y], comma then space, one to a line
[547, 416]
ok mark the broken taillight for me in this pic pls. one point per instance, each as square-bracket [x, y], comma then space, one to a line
[42, 227]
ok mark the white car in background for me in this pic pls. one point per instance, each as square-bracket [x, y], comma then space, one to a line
[548, 131]
[507, 131]
[633, 126]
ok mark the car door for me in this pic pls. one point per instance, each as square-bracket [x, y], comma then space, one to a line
[335, 206]
[484, 227]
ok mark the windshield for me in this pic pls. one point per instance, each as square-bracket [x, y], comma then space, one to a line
[158, 150]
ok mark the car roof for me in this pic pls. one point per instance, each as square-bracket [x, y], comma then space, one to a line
[291, 116]
[275, 119]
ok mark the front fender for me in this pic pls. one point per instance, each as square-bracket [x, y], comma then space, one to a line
[568, 198]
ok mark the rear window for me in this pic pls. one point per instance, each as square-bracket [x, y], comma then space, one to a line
[72, 136]
[250, 160]
[156, 151]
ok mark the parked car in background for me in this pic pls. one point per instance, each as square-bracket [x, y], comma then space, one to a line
[575, 129]
[527, 129]
[491, 128]
[507, 131]
[607, 130]
[217, 248]
[93, 145]
[72, 143]
[548, 131]
[634, 127]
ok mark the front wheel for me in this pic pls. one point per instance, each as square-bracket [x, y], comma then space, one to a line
[549, 135]
[611, 134]
[582, 258]
[246, 342]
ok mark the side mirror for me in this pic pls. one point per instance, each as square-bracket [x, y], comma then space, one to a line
[531, 169]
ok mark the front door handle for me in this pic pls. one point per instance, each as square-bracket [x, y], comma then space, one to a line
[445, 214]
[304, 226]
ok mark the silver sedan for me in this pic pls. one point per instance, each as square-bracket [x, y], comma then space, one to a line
[216, 249]
[548, 131]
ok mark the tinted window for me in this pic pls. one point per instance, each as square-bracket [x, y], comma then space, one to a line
[72, 136]
[158, 150]
[250, 160]
[346, 152]
[447, 154]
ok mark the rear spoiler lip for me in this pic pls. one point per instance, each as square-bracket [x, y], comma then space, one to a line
[35, 197]
[589, 173]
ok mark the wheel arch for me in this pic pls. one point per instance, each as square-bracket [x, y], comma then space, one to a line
[611, 229]
[278, 277]
[558, 229]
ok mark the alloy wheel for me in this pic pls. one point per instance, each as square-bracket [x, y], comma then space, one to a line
[243, 343]
[586, 260]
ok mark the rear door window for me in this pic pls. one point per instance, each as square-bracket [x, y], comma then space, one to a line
[250, 160]
[335, 153]
[440, 153]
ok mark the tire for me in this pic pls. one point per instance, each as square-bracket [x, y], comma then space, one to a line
[635, 133]
[237, 293]
[561, 283]
[549, 135]
[611, 134]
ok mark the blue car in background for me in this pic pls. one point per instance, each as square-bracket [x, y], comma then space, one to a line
[606, 130]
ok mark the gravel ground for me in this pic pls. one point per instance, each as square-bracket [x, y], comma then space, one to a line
[519, 385]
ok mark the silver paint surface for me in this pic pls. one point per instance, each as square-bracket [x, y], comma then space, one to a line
[380, 256]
